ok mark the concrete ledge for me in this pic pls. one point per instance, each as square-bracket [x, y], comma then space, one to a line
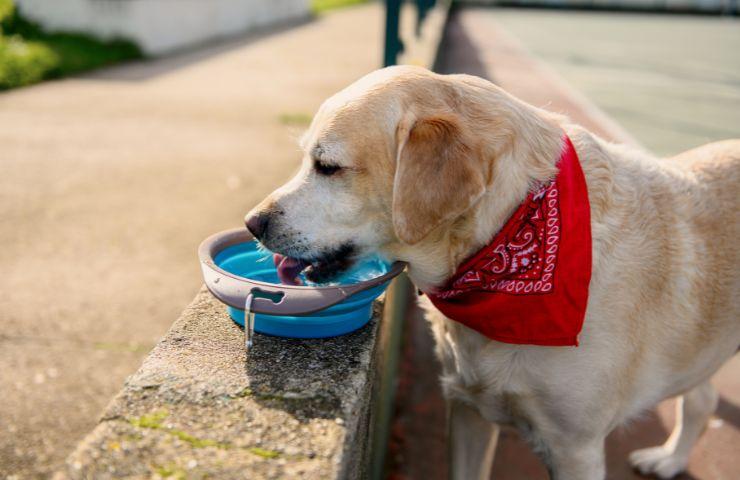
[199, 407]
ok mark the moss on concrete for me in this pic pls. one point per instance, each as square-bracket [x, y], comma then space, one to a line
[155, 421]
[264, 453]
[169, 471]
[151, 420]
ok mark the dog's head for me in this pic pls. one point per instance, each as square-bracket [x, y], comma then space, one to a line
[387, 161]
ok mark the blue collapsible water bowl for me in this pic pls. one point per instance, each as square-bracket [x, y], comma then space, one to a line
[234, 266]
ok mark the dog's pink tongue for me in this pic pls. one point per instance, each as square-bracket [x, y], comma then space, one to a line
[288, 269]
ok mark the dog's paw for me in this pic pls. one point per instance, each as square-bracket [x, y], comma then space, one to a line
[658, 461]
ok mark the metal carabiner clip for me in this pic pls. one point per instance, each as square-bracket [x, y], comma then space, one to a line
[248, 322]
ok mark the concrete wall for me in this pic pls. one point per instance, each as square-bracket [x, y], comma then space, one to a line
[200, 406]
[160, 26]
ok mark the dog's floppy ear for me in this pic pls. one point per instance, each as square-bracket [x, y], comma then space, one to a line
[438, 176]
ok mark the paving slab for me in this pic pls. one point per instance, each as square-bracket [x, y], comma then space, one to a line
[109, 182]
[672, 81]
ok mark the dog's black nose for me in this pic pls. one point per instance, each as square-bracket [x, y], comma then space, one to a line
[257, 224]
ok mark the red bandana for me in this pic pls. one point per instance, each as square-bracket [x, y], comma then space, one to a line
[530, 284]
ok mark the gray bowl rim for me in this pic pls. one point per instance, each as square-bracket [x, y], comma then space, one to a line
[295, 300]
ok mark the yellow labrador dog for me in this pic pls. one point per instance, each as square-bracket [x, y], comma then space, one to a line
[426, 168]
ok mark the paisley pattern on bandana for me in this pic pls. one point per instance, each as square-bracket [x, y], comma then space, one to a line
[524, 254]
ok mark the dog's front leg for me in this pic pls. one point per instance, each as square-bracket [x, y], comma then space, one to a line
[472, 441]
[575, 459]
[693, 410]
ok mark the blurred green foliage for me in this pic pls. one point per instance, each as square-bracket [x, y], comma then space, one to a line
[320, 6]
[29, 54]
[6, 9]
[23, 63]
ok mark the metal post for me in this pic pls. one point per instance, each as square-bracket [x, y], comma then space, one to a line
[393, 45]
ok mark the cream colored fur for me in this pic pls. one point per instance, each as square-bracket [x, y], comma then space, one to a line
[663, 306]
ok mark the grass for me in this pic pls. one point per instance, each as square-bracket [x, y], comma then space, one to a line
[321, 6]
[30, 54]
[6, 9]
[24, 63]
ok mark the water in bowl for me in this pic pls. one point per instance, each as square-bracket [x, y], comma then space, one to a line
[251, 261]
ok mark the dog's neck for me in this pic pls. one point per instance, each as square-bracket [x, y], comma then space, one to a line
[529, 160]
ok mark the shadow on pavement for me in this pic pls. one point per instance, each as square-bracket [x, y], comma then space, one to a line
[457, 52]
[729, 412]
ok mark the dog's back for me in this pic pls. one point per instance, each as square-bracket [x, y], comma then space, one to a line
[665, 237]
[712, 210]
[700, 210]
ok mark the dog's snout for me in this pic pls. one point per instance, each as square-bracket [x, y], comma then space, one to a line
[257, 224]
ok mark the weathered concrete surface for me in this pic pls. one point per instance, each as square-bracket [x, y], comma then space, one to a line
[200, 407]
[108, 182]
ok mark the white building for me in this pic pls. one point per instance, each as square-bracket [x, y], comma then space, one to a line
[161, 26]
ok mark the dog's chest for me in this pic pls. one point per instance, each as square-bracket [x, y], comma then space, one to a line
[498, 380]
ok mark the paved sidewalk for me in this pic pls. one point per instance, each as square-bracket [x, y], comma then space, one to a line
[673, 81]
[108, 184]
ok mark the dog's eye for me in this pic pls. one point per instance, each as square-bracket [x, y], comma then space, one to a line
[325, 169]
